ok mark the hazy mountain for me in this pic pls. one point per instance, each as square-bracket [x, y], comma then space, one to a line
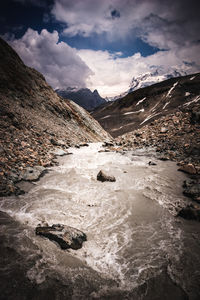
[144, 105]
[83, 97]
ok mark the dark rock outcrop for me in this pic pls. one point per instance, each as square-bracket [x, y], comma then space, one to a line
[83, 97]
[66, 236]
[101, 176]
[190, 212]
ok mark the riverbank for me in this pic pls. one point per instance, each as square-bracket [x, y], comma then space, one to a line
[135, 247]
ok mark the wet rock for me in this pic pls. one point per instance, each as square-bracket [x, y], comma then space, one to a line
[188, 168]
[108, 144]
[190, 212]
[65, 236]
[151, 163]
[192, 190]
[32, 174]
[101, 176]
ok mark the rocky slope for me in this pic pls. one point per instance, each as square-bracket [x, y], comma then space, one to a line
[34, 119]
[145, 105]
[83, 97]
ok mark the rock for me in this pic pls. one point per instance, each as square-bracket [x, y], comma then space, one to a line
[163, 130]
[190, 213]
[101, 176]
[66, 236]
[188, 168]
[108, 144]
[151, 163]
[192, 190]
[32, 174]
[84, 145]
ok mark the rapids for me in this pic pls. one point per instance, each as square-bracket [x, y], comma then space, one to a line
[136, 248]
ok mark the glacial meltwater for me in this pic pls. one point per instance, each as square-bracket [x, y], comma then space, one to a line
[136, 247]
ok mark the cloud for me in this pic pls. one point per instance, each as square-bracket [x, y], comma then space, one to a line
[164, 24]
[57, 61]
[113, 73]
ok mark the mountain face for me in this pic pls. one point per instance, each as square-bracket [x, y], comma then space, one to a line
[149, 78]
[144, 105]
[33, 119]
[83, 97]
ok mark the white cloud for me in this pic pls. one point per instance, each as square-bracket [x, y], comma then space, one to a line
[164, 24]
[57, 61]
[112, 74]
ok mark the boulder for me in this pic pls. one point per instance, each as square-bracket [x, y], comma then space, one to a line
[32, 174]
[188, 168]
[101, 176]
[192, 190]
[65, 236]
[190, 213]
[151, 163]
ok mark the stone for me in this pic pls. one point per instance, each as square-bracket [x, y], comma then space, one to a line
[101, 176]
[192, 190]
[188, 168]
[163, 130]
[108, 144]
[32, 174]
[190, 212]
[151, 163]
[65, 236]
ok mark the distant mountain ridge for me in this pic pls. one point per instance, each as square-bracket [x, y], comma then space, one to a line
[148, 79]
[83, 97]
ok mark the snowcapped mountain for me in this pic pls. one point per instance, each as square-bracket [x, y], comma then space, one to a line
[83, 97]
[150, 78]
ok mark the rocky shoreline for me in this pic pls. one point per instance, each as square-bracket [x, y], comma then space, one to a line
[174, 137]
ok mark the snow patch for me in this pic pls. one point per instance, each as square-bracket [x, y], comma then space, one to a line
[108, 116]
[187, 94]
[134, 112]
[165, 105]
[149, 117]
[140, 101]
[172, 88]
[193, 101]
[192, 78]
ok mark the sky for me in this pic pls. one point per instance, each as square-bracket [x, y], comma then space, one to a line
[103, 44]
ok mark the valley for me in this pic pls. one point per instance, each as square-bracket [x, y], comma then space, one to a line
[139, 219]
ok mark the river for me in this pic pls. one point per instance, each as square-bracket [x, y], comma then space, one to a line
[136, 247]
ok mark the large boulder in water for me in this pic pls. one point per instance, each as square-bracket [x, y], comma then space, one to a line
[101, 176]
[66, 236]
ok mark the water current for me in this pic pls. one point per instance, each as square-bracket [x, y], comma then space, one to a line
[136, 248]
